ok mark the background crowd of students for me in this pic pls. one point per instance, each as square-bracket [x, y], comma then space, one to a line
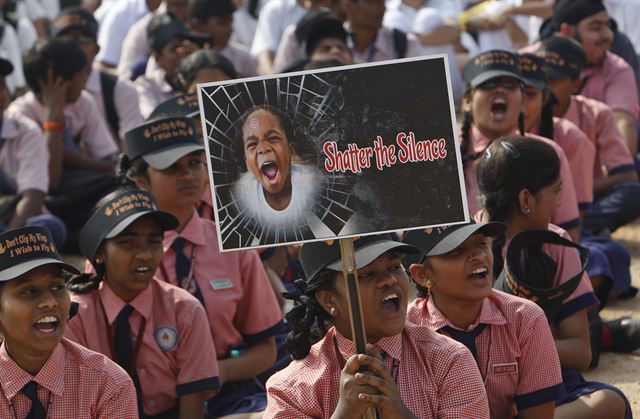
[81, 81]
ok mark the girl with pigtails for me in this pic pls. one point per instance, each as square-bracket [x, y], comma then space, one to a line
[156, 332]
[411, 371]
[519, 184]
[493, 108]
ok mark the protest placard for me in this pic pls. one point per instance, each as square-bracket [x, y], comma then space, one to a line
[333, 153]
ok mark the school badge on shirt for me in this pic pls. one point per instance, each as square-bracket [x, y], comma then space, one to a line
[166, 337]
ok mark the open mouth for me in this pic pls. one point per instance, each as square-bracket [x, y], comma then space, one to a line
[390, 304]
[270, 171]
[47, 324]
[499, 108]
[479, 274]
[143, 273]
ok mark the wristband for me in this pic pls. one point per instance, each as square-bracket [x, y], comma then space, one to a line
[52, 126]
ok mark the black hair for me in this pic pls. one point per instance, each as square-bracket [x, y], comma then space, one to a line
[202, 10]
[62, 55]
[286, 123]
[546, 115]
[84, 283]
[128, 171]
[510, 165]
[308, 319]
[326, 63]
[201, 59]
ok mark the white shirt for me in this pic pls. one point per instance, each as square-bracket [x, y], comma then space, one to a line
[114, 26]
[243, 62]
[153, 89]
[426, 20]
[24, 156]
[305, 182]
[244, 25]
[135, 46]
[274, 19]
[125, 100]
[11, 50]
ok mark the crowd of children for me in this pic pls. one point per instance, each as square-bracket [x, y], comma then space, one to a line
[102, 154]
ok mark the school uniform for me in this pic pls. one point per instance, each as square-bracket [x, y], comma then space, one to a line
[24, 155]
[153, 89]
[235, 291]
[125, 102]
[621, 204]
[516, 353]
[436, 377]
[175, 355]
[83, 124]
[582, 298]
[74, 383]
[580, 153]
[383, 48]
[567, 215]
[613, 83]
[242, 60]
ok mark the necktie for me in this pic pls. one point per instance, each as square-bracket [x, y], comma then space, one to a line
[124, 346]
[124, 349]
[468, 339]
[183, 264]
[183, 267]
[37, 409]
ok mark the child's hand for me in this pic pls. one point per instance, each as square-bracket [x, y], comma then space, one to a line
[53, 95]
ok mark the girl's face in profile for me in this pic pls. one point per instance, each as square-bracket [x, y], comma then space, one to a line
[267, 152]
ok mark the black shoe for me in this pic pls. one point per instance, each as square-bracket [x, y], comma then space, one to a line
[625, 333]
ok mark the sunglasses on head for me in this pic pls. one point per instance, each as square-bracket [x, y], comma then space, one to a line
[506, 83]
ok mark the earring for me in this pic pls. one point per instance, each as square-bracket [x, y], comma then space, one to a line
[526, 210]
[429, 284]
[333, 311]
[98, 260]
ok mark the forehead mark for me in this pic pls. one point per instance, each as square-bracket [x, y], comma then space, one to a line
[254, 123]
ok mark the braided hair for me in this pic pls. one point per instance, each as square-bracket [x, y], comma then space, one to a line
[546, 116]
[509, 166]
[310, 322]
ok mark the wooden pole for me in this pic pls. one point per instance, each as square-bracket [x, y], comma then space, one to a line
[350, 274]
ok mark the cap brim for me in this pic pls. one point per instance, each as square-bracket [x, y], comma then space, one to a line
[491, 74]
[557, 74]
[538, 84]
[6, 67]
[368, 253]
[457, 237]
[166, 157]
[166, 220]
[22, 268]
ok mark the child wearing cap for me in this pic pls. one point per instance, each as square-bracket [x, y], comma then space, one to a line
[116, 98]
[215, 18]
[518, 181]
[606, 77]
[276, 189]
[167, 37]
[493, 106]
[539, 119]
[43, 373]
[165, 158]
[616, 187]
[508, 336]
[580, 153]
[157, 332]
[413, 371]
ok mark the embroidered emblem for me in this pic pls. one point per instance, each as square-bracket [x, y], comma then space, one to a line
[166, 337]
